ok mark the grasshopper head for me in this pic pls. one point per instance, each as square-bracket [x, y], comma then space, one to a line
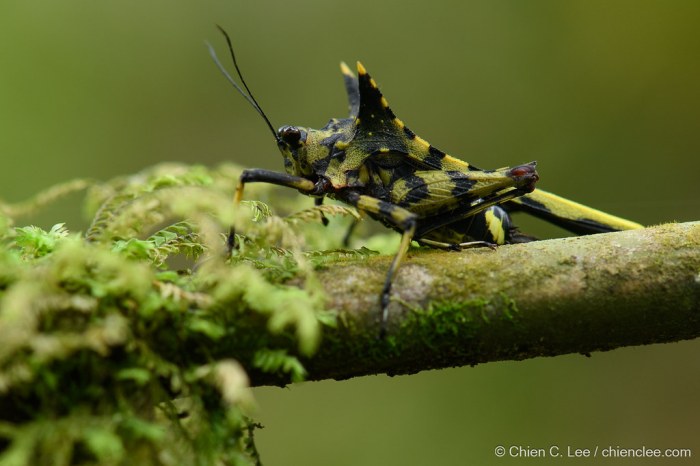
[291, 141]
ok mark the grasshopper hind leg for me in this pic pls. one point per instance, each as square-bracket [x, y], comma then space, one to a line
[495, 226]
[496, 223]
[490, 228]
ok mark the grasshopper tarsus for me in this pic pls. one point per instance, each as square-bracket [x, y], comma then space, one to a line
[384, 301]
[230, 241]
[478, 244]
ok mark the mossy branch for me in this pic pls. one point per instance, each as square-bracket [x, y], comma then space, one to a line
[571, 295]
[137, 340]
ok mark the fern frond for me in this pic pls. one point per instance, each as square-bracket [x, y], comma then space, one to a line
[45, 197]
[317, 213]
[178, 238]
[278, 361]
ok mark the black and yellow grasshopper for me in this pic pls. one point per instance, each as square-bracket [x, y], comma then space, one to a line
[372, 161]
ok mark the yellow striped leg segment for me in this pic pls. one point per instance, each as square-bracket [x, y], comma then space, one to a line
[470, 210]
[257, 175]
[572, 215]
[401, 219]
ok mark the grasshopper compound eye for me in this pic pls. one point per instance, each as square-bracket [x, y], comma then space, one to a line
[291, 135]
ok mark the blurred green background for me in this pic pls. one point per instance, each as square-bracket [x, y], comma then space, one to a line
[605, 95]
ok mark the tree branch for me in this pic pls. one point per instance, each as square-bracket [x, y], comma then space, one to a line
[96, 332]
[571, 295]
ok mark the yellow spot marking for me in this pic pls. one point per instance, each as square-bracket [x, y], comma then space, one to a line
[495, 227]
[456, 161]
[383, 150]
[341, 145]
[385, 104]
[399, 123]
[363, 176]
[422, 141]
[361, 69]
[345, 69]
[372, 83]
[370, 133]
[368, 203]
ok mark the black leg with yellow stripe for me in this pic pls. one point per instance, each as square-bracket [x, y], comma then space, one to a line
[490, 228]
[400, 219]
[318, 201]
[258, 175]
[436, 223]
[577, 218]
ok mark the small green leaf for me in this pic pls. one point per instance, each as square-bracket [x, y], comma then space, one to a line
[151, 431]
[206, 327]
[105, 444]
[139, 375]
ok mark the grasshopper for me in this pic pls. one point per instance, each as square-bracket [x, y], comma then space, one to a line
[374, 162]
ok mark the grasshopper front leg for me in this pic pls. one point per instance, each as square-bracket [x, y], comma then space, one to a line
[318, 202]
[403, 220]
[257, 175]
[351, 229]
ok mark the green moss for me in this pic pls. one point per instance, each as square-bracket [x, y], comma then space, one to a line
[446, 319]
[448, 330]
[454, 329]
[139, 335]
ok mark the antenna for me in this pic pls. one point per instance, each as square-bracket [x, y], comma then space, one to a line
[249, 95]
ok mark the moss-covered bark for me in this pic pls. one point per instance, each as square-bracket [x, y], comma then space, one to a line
[140, 337]
[571, 295]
